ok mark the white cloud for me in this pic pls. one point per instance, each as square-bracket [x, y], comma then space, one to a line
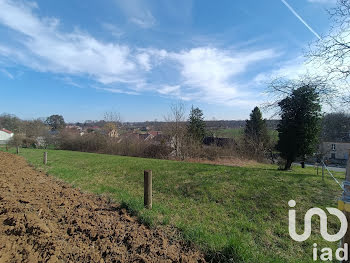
[170, 90]
[204, 73]
[301, 69]
[46, 48]
[293, 69]
[290, 69]
[208, 73]
[116, 90]
[144, 60]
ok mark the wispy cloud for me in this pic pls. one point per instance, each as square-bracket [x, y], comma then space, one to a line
[144, 60]
[146, 21]
[113, 30]
[70, 82]
[300, 18]
[137, 12]
[116, 90]
[6, 73]
[170, 90]
[204, 73]
[208, 74]
[45, 48]
[289, 69]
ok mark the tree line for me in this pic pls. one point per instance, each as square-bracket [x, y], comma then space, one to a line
[300, 130]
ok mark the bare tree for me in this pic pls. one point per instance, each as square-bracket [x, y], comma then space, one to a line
[280, 88]
[113, 117]
[35, 128]
[176, 127]
[336, 127]
[112, 123]
[332, 52]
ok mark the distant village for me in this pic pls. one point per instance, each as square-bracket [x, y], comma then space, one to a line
[145, 133]
[334, 151]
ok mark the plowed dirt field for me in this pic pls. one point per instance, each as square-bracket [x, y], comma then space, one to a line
[44, 220]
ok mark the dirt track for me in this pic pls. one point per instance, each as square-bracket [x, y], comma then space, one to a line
[43, 220]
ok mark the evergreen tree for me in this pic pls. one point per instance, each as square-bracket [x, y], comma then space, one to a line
[299, 127]
[196, 125]
[255, 131]
[56, 122]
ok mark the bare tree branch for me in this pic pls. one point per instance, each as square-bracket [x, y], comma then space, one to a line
[280, 88]
[332, 52]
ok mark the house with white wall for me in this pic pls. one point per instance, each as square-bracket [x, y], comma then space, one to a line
[336, 151]
[5, 136]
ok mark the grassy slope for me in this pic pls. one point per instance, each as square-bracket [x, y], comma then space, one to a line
[239, 212]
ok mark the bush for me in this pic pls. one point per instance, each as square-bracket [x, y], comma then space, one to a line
[131, 146]
[157, 151]
[23, 141]
[85, 143]
[281, 163]
[211, 153]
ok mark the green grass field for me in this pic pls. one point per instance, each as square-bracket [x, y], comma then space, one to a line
[228, 212]
[229, 133]
[237, 133]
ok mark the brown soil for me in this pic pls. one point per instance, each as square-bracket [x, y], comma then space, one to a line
[43, 220]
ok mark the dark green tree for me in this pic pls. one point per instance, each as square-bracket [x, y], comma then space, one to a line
[56, 122]
[256, 135]
[196, 125]
[298, 130]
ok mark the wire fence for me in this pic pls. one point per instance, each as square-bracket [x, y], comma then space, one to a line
[335, 179]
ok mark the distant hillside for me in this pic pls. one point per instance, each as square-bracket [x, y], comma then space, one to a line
[227, 124]
[158, 125]
[214, 124]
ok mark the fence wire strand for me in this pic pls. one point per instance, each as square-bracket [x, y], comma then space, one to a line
[335, 179]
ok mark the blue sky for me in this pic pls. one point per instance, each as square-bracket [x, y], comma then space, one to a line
[137, 57]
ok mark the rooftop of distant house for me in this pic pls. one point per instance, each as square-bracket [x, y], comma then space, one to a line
[154, 133]
[7, 131]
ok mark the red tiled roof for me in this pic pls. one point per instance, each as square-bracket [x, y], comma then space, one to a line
[154, 133]
[7, 131]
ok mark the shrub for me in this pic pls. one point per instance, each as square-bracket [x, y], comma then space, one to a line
[157, 151]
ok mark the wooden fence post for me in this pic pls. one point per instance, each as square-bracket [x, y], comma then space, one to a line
[45, 158]
[148, 189]
[323, 171]
[344, 205]
[17, 149]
